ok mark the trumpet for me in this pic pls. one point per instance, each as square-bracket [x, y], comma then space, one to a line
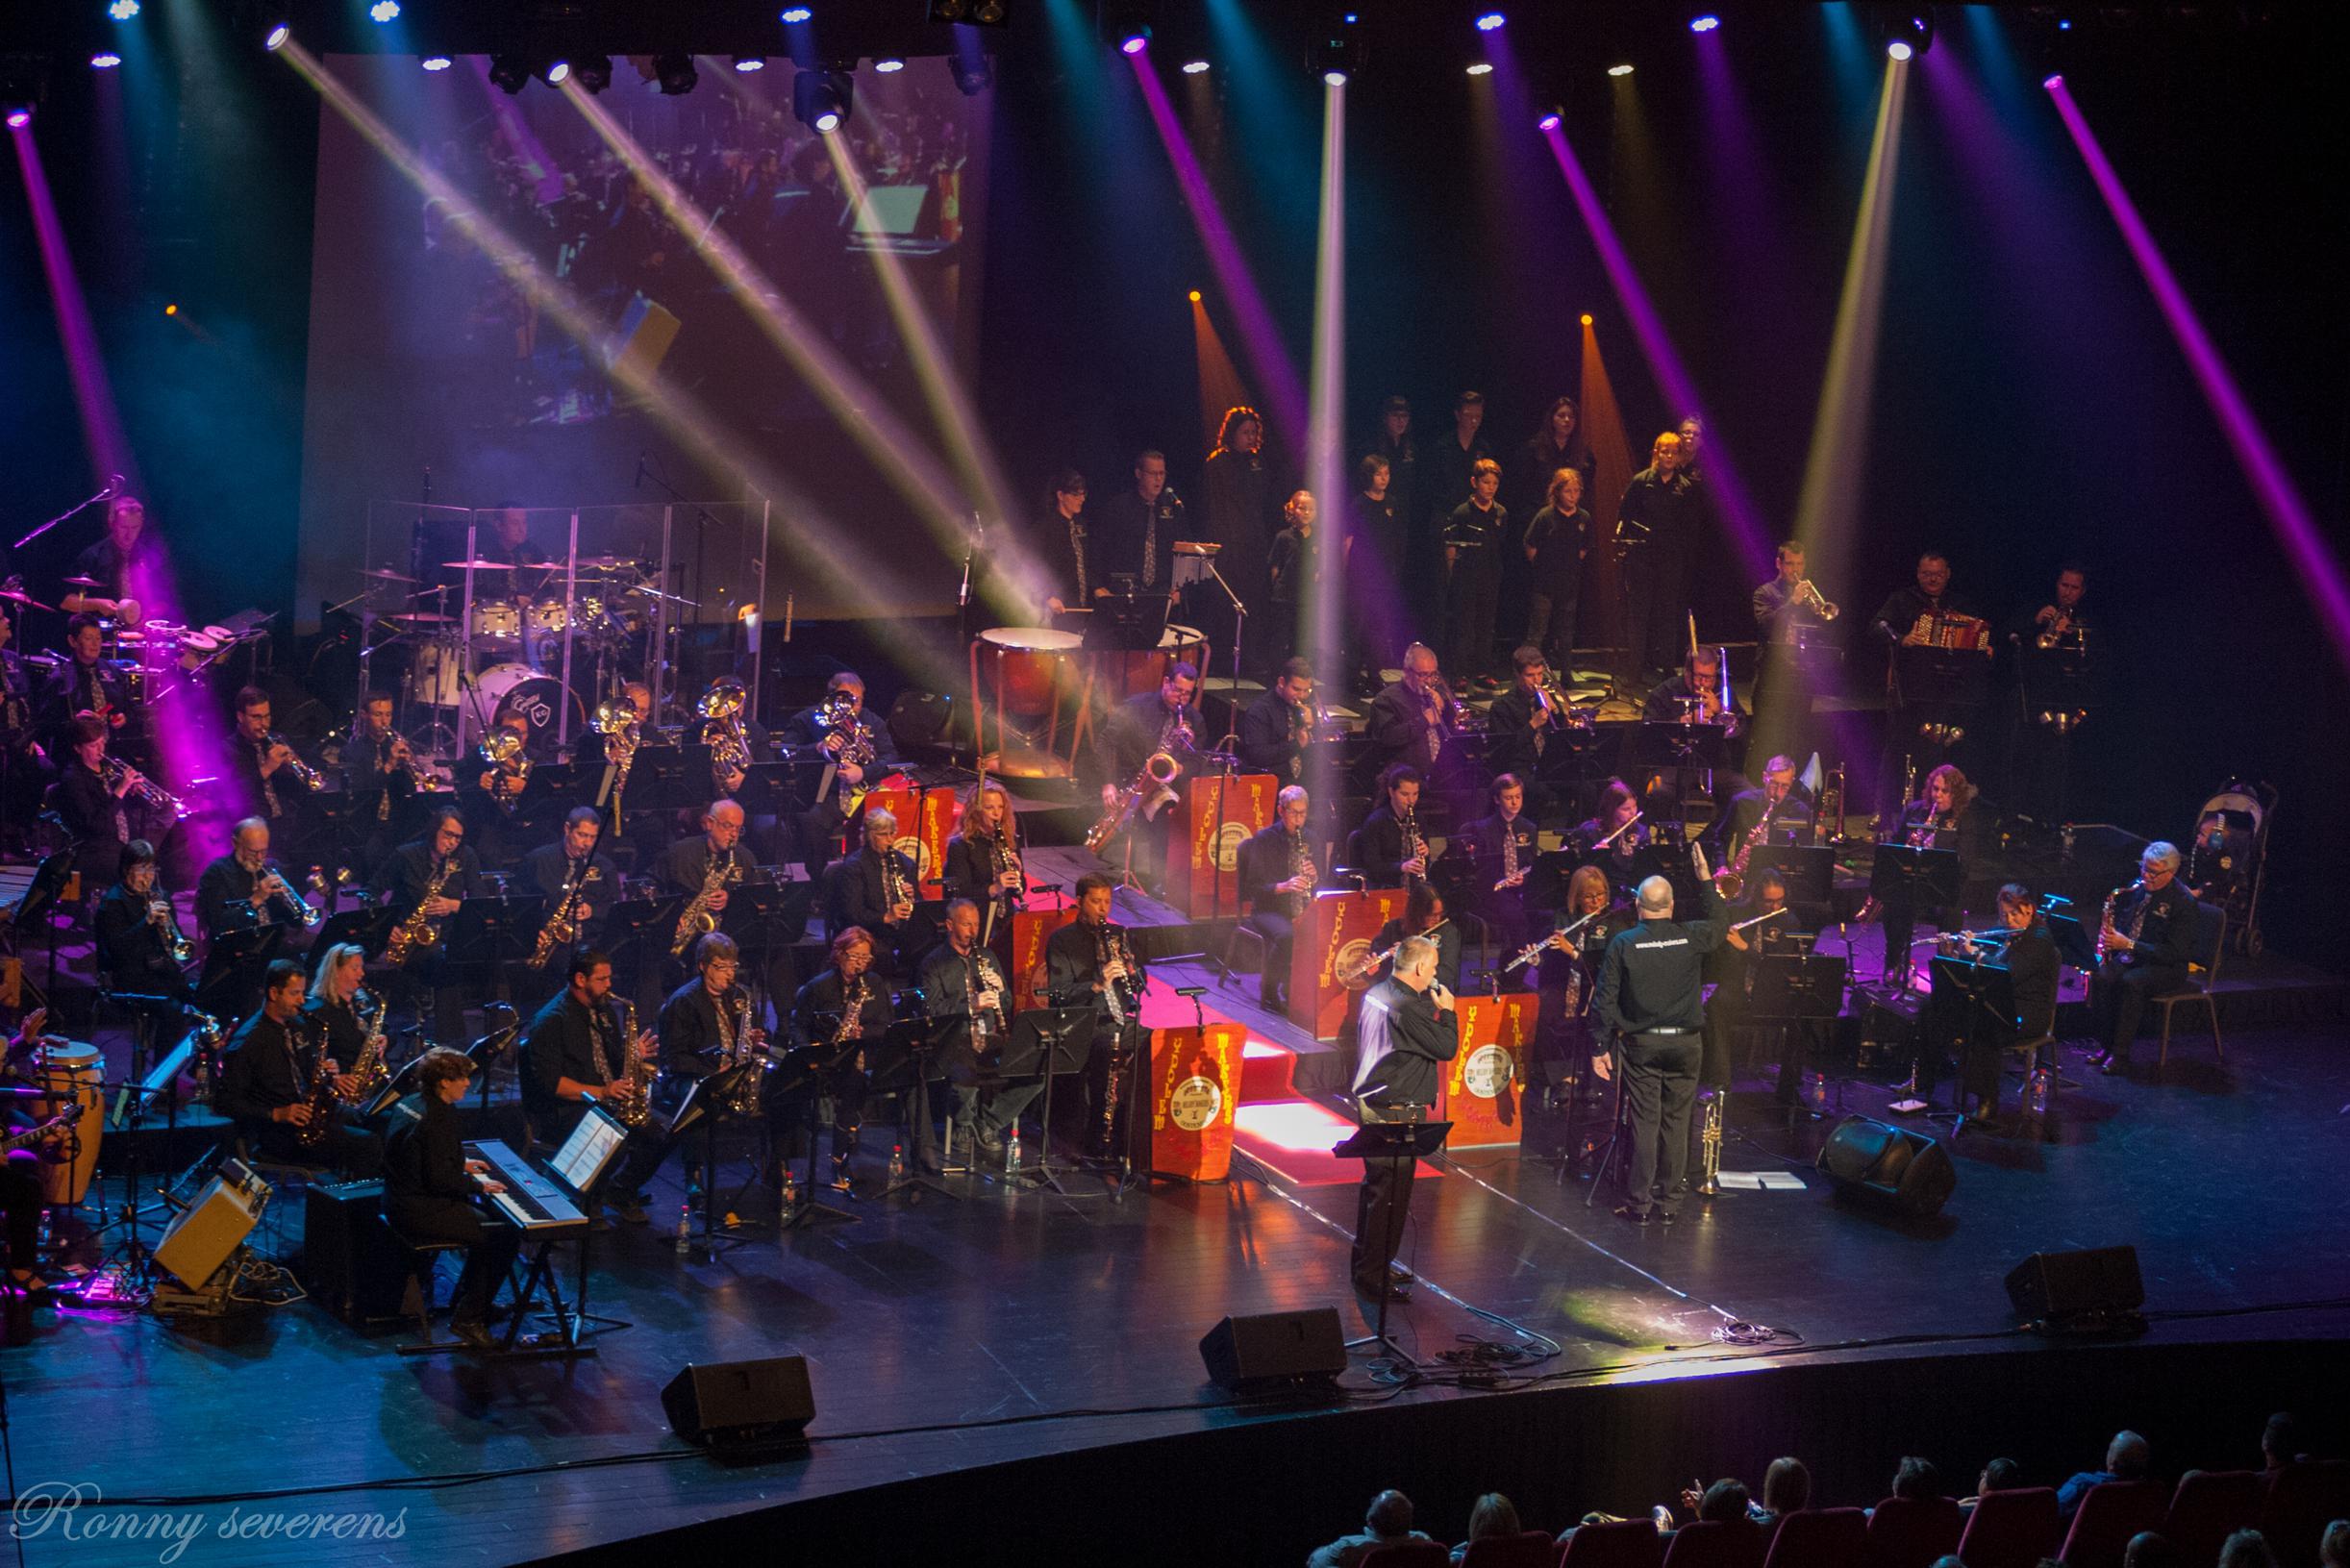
[1819, 605]
[306, 913]
[426, 780]
[304, 774]
[113, 770]
[2053, 631]
[167, 922]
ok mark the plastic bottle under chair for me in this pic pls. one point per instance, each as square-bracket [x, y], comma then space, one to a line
[1011, 1147]
[787, 1196]
[897, 1163]
[685, 1229]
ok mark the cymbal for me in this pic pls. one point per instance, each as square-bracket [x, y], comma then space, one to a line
[83, 583]
[16, 598]
[604, 563]
[382, 576]
[484, 567]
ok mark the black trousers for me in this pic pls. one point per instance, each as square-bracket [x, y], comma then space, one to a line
[490, 1246]
[1381, 1208]
[1280, 937]
[2117, 996]
[1656, 590]
[20, 1207]
[1661, 1086]
[348, 1146]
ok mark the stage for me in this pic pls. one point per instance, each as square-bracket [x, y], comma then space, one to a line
[948, 1337]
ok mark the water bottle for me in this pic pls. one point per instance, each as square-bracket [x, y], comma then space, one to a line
[685, 1229]
[2036, 1095]
[1012, 1149]
[897, 1163]
[787, 1198]
[1816, 1083]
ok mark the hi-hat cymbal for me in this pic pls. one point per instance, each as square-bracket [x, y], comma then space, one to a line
[485, 566]
[83, 583]
[604, 563]
[382, 576]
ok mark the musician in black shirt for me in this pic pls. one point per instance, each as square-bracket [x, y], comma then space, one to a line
[1076, 579]
[429, 1189]
[134, 947]
[712, 859]
[962, 985]
[1620, 827]
[1527, 728]
[1695, 696]
[1731, 969]
[1279, 726]
[1942, 817]
[1239, 486]
[378, 783]
[1494, 855]
[839, 729]
[875, 888]
[1557, 537]
[127, 563]
[1167, 720]
[334, 1005]
[1414, 720]
[96, 814]
[432, 874]
[1405, 1028]
[575, 1052]
[1277, 882]
[1376, 542]
[848, 1009]
[571, 868]
[2149, 944]
[269, 1075]
[1775, 798]
[983, 860]
[2029, 955]
[1389, 849]
[1449, 461]
[1649, 997]
[1425, 916]
[1138, 528]
[1476, 534]
[271, 779]
[240, 891]
[1091, 961]
[1657, 526]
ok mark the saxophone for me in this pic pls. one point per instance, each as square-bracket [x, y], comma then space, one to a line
[632, 1100]
[738, 1043]
[698, 918]
[1731, 880]
[322, 1097]
[1301, 864]
[561, 929]
[418, 931]
[852, 1026]
[2105, 922]
[370, 1070]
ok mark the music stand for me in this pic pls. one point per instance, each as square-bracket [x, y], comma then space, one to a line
[705, 1102]
[1051, 1042]
[655, 918]
[367, 929]
[1686, 749]
[904, 1071]
[802, 1072]
[598, 1138]
[233, 965]
[1394, 1142]
[1916, 878]
[1810, 870]
[1799, 990]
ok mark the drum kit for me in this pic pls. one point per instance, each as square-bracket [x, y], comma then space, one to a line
[506, 649]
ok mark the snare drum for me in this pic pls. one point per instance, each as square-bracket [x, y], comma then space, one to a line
[548, 618]
[496, 620]
[72, 1074]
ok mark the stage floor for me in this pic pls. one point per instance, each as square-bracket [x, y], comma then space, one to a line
[947, 1334]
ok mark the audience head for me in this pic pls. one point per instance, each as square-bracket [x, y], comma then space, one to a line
[2246, 1548]
[2127, 1458]
[2333, 1551]
[1949, 1560]
[1493, 1514]
[1786, 1486]
[2280, 1440]
[1918, 1479]
[1389, 1515]
[1725, 1501]
[2000, 1475]
[2150, 1549]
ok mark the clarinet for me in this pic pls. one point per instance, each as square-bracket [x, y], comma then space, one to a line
[1105, 946]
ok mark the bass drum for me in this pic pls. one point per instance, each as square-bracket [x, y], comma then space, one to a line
[540, 699]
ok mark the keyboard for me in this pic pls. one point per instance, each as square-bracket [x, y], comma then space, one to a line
[532, 1202]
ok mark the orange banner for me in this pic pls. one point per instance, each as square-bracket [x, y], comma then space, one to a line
[940, 815]
[1206, 850]
[1479, 1090]
[1196, 1097]
[1031, 928]
[1334, 925]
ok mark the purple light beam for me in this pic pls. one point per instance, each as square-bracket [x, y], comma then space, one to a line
[2296, 529]
[1748, 534]
[110, 449]
[1283, 395]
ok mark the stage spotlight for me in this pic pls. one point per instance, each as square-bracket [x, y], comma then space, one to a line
[1490, 20]
[1587, 320]
[171, 309]
[509, 73]
[823, 98]
[275, 39]
[989, 14]
[889, 66]
[1484, 67]
[1193, 67]
[1620, 68]
[122, 10]
[676, 74]
[593, 72]
[1548, 122]
[383, 11]
[559, 73]
[19, 118]
[1705, 24]
[437, 63]
[795, 14]
[1898, 49]
[2065, 24]
[1195, 296]
[1334, 79]
[1136, 42]
[985, 13]
[750, 63]
[2052, 83]
[105, 62]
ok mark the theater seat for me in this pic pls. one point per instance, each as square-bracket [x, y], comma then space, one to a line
[1912, 1531]
[1623, 1543]
[2108, 1515]
[2012, 1528]
[1715, 1543]
[2208, 1507]
[1821, 1539]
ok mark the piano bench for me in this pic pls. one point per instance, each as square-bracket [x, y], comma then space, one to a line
[422, 1259]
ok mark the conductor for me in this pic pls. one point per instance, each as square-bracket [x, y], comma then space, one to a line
[1648, 996]
[1407, 1027]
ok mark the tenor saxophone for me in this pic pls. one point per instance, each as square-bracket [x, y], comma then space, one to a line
[561, 929]
[633, 1104]
[740, 1043]
[698, 918]
[370, 1071]
[418, 931]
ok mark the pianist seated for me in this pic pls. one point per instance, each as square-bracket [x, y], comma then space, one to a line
[429, 1185]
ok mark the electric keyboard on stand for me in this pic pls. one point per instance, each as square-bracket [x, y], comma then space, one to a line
[532, 1203]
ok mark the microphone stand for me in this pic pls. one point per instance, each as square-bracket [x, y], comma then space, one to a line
[1231, 756]
[106, 492]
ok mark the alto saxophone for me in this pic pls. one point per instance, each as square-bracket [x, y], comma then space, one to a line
[561, 929]
[739, 1044]
[322, 1097]
[371, 1071]
[418, 931]
[698, 918]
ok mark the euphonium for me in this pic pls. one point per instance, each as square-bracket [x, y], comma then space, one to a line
[501, 750]
[729, 747]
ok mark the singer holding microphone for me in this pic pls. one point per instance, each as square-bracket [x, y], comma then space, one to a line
[1406, 1031]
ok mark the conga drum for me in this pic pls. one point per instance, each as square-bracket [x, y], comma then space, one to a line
[71, 1074]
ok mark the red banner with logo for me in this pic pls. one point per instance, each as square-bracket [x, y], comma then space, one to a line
[1206, 848]
[1333, 926]
[936, 820]
[1031, 928]
[1196, 1097]
[1479, 1091]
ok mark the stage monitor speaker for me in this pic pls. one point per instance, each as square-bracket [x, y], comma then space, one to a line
[918, 720]
[642, 342]
[1890, 1164]
[2089, 1284]
[1274, 1349]
[202, 1235]
[742, 1405]
[352, 1264]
